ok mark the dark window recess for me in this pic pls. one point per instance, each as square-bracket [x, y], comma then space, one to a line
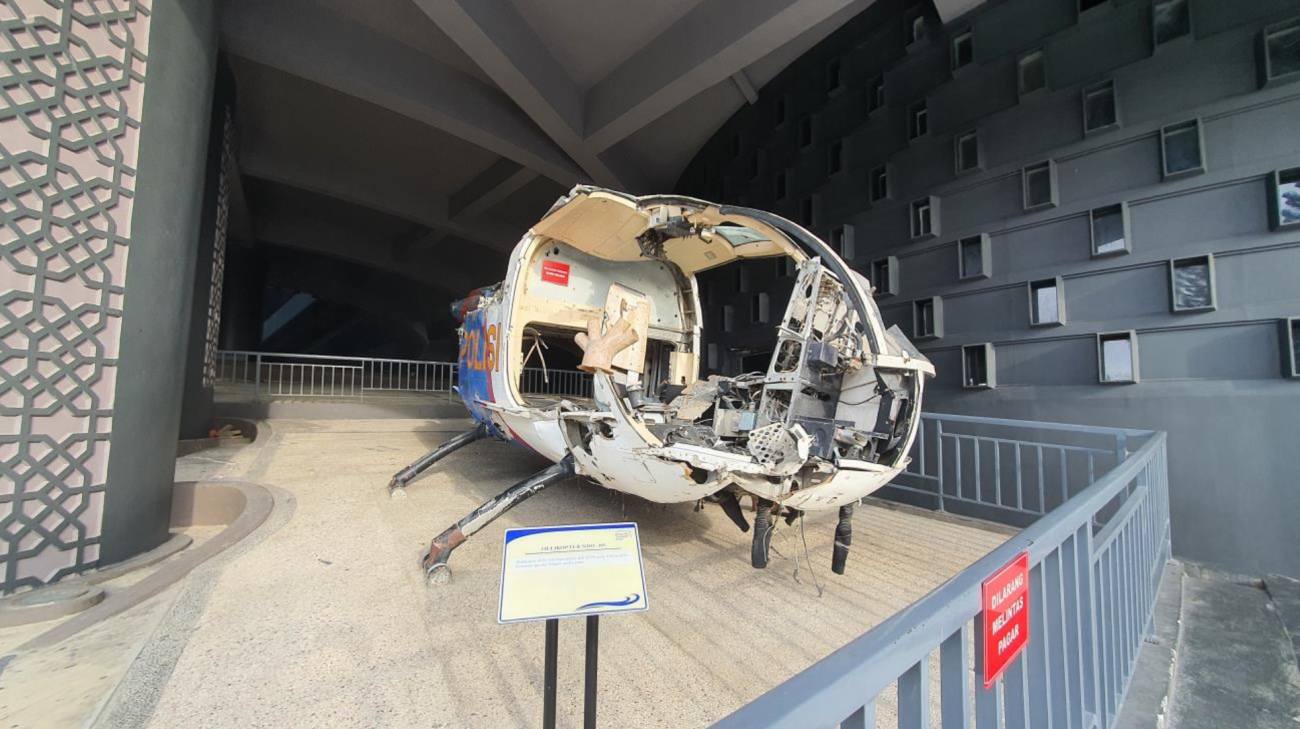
[728, 318]
[1109, 234]
[975, 366]
[834, 75]
[1040, 186]
[753, 164]
[923, 218]
[758, 309]
[1291, 347]
[884, 276]
[780, 185]
[785, 267]
[1031, 72]
[926, 314]
[1170, 20]
[1117, 357]
[742, 278]
[842, 241]
[879, 183]
[1099, 110]
[1086, 5]
[917, 29]
[1181, 149]
[735, 146]
[805, 131]
[1282, 50]
[918, 121]
[835, 163]
[1287, 198]
[1045, 302]
[1192, 282]
[779, 113]
[963, 49]
[972, 252]
[807, 208]
[968, 151]
[876, 94]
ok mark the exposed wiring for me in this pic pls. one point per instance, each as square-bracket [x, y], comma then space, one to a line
[538, 346]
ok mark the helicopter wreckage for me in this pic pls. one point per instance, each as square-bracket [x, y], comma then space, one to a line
[830, 421]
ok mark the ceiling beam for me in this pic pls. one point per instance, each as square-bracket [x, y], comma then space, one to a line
[706, 46]
[499, 40]
[307, 40]
[498, 182]
[950, 10]
[393, 198]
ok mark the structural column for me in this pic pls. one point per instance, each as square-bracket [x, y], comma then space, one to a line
[102, 143]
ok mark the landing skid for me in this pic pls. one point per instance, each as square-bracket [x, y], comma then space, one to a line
[397, 485]
[434, 562]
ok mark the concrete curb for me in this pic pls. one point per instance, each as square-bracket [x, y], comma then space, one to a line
[258, 504]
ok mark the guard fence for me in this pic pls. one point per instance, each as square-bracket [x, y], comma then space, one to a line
[279, 375]
[1096, 518]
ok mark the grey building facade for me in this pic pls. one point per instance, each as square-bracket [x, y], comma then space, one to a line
[1081, 211]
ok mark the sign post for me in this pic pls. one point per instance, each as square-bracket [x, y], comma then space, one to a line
[554, 572]
[1005, 605]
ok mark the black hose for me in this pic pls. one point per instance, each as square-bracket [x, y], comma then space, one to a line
[843, 539]
[763, 528]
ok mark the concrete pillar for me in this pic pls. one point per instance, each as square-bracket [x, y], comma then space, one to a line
[100, 194]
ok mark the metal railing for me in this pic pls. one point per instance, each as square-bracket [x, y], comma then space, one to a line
[280, 374]
[1096, 561]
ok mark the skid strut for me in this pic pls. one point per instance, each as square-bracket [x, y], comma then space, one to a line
[434, 562]
[397, 485]
[763, 527]
[843, 538]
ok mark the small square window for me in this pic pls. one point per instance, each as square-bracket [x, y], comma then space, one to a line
[880, 183]
[1047, 302]
[876, 94]
[834, 75]
[1039, 183]
[1099, 110]
[1284, 199]
[759, 309]
[728, 318]
[1181, 149]
[1191, 284]
[927, 318]
[808, 211]
[712, 354]
[1031, 72]
[782, 184]
[741, 277]
[779, 111]
[805, 131]
[966, 151]
[918, 120]
[917, 28]
[1110, 234]
[978, 370]
[1170, 20]
[785, 267]
[1281, 52]
[963, 49]
[925, 217]
[1117, 357]
[1289, 330]
[884, 276]
[835, 162]
[842, 241]
[973, 257]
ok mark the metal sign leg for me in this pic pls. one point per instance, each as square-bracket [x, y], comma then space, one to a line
[548, 684]
[593, 655]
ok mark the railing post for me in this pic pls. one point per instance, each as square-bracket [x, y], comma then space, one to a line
[257, 376]
[938, 444]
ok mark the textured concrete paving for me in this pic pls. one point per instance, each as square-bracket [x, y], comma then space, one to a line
[325, 619]
[1235, 665]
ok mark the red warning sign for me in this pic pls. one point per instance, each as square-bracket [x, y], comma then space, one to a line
[555, 272]
[1005, 598]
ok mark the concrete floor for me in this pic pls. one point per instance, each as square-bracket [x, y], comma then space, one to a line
[323, 618]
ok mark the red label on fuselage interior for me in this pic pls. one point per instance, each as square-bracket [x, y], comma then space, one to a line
[1006, 617]
[555, 272]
